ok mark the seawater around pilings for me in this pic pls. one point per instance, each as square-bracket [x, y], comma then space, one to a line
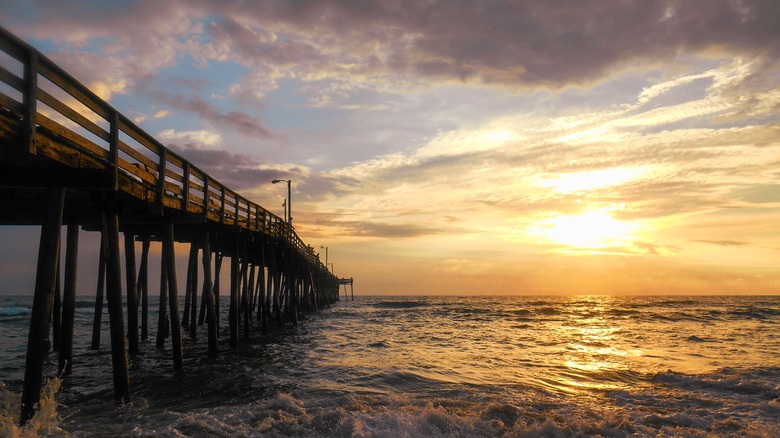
[268, 281]
[90, 167]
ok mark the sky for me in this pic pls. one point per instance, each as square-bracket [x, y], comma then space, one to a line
[460, 147]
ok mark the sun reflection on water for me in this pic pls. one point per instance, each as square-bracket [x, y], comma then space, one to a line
[594, 349]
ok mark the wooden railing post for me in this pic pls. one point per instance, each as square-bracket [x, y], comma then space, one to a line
[222, 206]
[205, 198]
[161, 169]
[113, 143]
[30, 101]
[185, 186]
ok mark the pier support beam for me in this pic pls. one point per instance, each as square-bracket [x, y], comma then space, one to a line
[173, 297]
[56, 303]
[97, 320]
[114, 298]
[132, 295]
[261, 289]
[233, 313]
[217, 271]
[209, 294]
[191, 290]
[244, 306]
[48, 254]
[69, 301]
[143, 286]
[162, 313]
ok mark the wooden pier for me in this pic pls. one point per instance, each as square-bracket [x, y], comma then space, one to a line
[69, 158]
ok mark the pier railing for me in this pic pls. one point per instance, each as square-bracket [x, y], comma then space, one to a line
[67, 122]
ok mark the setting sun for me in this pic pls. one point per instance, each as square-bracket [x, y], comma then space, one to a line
[590, 230]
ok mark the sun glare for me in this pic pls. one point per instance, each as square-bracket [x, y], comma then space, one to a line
[590, 230]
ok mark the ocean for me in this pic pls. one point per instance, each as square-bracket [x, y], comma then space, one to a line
[517, 366]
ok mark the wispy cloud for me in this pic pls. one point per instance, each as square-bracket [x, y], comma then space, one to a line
[453, 129]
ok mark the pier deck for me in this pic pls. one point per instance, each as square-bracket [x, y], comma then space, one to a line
[67, 157]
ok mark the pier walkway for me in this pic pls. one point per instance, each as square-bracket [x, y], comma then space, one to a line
[69, 158]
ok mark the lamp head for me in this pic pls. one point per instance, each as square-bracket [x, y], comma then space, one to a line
[276, 181]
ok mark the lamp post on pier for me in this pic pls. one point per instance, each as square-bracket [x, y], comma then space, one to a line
[326, 255]
[289, 199]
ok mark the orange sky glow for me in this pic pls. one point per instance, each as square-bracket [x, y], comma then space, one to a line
[463, 148]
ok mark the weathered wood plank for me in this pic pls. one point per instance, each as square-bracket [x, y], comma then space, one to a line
[78, 142]
[139, 135]
[70, 85]
[141, 158]
[11, 104]
[11, 79]
[72, 114]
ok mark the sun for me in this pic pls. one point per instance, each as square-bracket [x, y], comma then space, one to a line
[590, 230]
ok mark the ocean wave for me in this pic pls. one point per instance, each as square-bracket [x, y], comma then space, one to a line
[14, 311]
[754, 382]
[755, 313]
[46, 420]
[399, 304]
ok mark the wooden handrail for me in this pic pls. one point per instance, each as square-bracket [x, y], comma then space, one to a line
[177, 182]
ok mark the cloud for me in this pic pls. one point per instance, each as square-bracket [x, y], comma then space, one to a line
[533, 43]
[195, 139]
[724, 242]
[386, 230]
[392, 45]
[240, 121]
[238, 171]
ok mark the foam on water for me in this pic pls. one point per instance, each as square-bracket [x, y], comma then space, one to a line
[46, 420]
[444, 366]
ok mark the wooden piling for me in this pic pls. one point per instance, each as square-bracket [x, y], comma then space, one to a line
[191, 284]
[56, 306]
[97, 320]
[207, 292]
[132, 294]
[251, 293]
[114, 298]
[153, 185]
[69, 301]
[277, 279]
[162, 313]
[143, 286]
[268, 294]
[48, 254]
[261, 289]
[233, 314]
[173, 297]
[245, 293]
[293, 290]
[217, 282]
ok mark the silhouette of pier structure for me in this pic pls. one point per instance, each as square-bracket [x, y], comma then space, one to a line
[68, 158]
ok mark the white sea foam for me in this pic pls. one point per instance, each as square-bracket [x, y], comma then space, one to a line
[14, 311]
[447, 366]
[46, 420]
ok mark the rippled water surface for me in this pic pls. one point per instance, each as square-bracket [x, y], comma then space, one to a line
[444, 366]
